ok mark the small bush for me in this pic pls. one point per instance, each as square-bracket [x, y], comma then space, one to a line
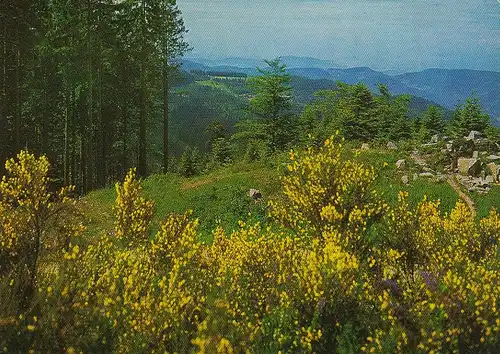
[342, 272]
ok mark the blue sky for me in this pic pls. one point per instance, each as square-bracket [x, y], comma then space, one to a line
[382, 34]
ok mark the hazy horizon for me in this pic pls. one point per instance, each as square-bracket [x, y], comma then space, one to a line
[382, 34]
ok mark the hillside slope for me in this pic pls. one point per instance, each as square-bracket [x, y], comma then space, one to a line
[446, 87]
[450, 87]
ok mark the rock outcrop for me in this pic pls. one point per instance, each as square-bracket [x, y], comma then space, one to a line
[469, 167]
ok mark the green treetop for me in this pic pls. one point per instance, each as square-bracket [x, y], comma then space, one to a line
[469, 117]
[273, 102]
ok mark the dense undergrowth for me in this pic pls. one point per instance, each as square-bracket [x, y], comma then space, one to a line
[336, 269]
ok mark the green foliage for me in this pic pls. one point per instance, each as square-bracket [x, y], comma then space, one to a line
[493, 134]
[272, 103]
[221, 154]
[194, 108]
[432, 123]
[215, 130]
[358, 114]
[213, 197]
[190, 162]
[468, 117]
[256, 150]
[81, 82]
[486, 202]
[265, 288]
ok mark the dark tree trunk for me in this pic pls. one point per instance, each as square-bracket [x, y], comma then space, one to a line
[165, 119]
[3, 93]
[142, 168]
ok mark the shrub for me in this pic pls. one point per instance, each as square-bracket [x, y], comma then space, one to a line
[35, 227]
[325, 193]
[340, 272]
[190, 163]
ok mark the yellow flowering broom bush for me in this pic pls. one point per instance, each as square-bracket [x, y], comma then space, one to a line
[440, 282]
[35, 227]
[340, 271]
[323, 192]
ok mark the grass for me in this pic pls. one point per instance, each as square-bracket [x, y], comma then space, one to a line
[217, 85]
[221, 197]
[218, 198]
[484, 202]
[389, 183]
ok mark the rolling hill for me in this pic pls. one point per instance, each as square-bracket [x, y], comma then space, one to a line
[446, 87]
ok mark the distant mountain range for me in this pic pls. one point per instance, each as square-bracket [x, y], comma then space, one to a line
[447, 87]
[290, 61]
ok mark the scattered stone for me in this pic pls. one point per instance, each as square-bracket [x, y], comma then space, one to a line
[474, 135]
[469, 167]
[479, 185]
[495, 171]
[405, 179]
[441, 178]
[435, 139]
[255, 194]
[475, 155]
[427, 175]
[465, 181]
[391, 146]
[401, 164]
[365, 146]
[480, 182]
[490, 180]
[479, 190]
[493, 158]
[415, 176]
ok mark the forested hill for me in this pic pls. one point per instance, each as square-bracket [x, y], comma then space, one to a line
[446, 87]
[198, 100]
[450, 86]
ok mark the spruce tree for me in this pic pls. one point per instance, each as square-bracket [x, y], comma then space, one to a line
[468, 117]
[273, 103]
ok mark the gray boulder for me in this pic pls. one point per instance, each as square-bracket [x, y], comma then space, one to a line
[469, 167]
[255, 194]
[441, 178]
[401, 164]
[427, 175]
[495, 171]
[474, 135]
[493, 158]
[392, 146]
[405, 179]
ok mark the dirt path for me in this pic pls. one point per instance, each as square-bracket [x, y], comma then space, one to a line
[453, 183]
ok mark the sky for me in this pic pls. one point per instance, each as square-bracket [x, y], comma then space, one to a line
[382, 34]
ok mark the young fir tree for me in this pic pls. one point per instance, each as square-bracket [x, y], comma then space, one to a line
[432, 122]
[469, 117]
[273, 102]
